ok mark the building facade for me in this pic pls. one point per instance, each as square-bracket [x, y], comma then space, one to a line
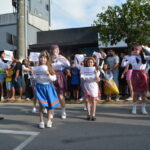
[38, 19]
[72, 41]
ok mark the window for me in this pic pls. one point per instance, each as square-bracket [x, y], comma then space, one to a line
[14, 39]
[11, 39]
[47, 7]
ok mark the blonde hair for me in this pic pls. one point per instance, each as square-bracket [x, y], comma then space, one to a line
[49, 61]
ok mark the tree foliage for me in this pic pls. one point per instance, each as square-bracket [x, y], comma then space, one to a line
[129, 22]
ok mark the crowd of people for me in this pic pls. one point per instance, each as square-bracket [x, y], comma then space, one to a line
[54, 78]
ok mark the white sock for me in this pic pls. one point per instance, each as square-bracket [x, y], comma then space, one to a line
[63, 109]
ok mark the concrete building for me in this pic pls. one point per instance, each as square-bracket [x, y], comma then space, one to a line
[72, 41]
[38, 19]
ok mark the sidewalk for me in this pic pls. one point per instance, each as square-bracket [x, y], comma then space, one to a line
[121, 101]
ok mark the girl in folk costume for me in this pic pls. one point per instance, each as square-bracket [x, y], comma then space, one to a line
[139, 77]
[59, 63]
[110, 86]
[91, 88]
[45, 91]
[100, 59]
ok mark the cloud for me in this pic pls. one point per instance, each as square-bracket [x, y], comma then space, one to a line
[78, 13]
[6, 7]
[71, 13]
[58, 24]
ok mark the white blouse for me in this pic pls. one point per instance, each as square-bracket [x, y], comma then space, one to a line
[133, 61]
[44, 79]
[40, 75]
[4, 65]
[59, 63]
[88, 79]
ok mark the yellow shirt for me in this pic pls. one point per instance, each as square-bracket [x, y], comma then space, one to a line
[8, 79]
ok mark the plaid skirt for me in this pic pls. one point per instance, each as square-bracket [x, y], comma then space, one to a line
[139, 81]
[61, 82]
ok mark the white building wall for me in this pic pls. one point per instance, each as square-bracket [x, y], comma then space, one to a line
[31, 35]
[12, 29]
[6, 19]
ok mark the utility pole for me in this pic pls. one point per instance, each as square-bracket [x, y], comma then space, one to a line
[50, 14]
[21, 30]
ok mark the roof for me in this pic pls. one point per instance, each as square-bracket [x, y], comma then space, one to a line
[78, 37]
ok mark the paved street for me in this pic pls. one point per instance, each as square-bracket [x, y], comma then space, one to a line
[115, 129]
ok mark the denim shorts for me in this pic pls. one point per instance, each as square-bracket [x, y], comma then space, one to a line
[2, 77]
[18, 83]
[8, 85]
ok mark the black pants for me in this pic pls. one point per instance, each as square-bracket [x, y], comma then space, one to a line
[28, 87]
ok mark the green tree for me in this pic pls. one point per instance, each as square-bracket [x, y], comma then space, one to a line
[129, 22]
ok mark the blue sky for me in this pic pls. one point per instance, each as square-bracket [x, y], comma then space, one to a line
[71, 13]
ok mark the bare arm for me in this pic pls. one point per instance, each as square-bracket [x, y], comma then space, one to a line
[115, 67]
[124, 71]
[17, 74]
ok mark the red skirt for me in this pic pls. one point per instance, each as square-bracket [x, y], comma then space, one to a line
[139, 81]
[61, 82]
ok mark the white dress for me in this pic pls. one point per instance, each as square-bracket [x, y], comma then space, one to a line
[91, 88]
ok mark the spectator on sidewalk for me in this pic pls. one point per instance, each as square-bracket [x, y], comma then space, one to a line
[17, 78]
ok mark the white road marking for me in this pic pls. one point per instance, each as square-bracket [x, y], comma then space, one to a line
[26, 142]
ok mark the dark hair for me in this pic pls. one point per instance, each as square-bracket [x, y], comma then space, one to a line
[142, 57]
[87, 59]
[1, 52]
[111, 50]
[108, 66]
[90, 58]
[24, 61]
[54, 46]
[125, 52]
[16, 56]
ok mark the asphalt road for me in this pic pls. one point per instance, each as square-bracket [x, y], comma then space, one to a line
[115, 129]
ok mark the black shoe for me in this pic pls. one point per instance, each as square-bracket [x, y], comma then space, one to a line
[88, 117]
[93, 118]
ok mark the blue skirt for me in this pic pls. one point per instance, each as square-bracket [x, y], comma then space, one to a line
[47, 96]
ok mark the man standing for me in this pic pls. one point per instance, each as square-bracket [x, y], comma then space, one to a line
[17, 78]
